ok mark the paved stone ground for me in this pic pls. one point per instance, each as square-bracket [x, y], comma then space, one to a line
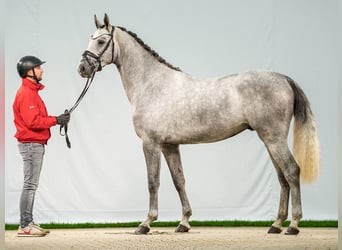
[165, 238]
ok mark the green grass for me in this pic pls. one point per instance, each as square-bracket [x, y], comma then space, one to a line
[235, 223]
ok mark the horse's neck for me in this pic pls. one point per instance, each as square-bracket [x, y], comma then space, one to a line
[137, 67]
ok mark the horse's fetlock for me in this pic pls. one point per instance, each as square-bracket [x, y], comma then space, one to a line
[153, 215]
[187, 213]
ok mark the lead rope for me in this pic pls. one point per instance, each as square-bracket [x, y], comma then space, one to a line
[88, 83]
[84, 91]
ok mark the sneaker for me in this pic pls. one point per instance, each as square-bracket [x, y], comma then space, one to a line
[46, 231]
[31, 230]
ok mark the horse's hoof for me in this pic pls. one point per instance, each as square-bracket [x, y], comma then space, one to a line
[292, 231]
[274, 230]
[142, 230]
[182, 229]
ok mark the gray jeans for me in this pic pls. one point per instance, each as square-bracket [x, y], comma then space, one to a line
[32, 154]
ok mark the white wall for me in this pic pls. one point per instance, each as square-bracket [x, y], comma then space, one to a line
[2, 125]
[340, 123]
[102, 178]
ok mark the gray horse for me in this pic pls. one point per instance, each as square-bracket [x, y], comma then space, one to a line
[171, 107]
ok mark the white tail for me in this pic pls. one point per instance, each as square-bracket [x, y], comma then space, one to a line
[305, 144]
[306, 149]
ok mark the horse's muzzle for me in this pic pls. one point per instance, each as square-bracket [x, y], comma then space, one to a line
[84, 69]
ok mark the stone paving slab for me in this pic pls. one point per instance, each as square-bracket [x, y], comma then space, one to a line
[165, 238]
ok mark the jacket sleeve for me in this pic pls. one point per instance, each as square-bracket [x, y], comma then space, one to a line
[34, 116]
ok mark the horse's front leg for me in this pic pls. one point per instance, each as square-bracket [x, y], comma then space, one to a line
[172, 156]
[152, 153]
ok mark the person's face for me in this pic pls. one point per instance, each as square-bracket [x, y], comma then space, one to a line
[38, 71]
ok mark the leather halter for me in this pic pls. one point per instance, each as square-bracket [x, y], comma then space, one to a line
[86, 54]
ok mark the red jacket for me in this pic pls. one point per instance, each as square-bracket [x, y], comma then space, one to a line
[30, 115]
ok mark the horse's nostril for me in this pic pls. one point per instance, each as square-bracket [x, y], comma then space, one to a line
[82, 68]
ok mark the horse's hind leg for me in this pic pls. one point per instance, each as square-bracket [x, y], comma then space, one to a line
[288, 174]
[172, 156]
[283, 203]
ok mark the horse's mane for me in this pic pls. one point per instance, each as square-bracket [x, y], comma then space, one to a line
[148, 49]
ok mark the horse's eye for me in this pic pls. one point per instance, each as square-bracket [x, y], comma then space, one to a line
[100, 42]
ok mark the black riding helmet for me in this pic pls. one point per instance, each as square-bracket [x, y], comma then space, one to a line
[26, 63]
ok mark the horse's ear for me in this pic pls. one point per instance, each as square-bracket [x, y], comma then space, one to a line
[106, 21]
[97, 22]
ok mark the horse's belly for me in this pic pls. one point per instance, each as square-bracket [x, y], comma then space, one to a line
[187, 127]
[197, 135]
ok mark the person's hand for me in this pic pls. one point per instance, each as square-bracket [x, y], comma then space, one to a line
[63, 119]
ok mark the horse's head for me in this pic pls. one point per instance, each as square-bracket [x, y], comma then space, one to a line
[100, 51]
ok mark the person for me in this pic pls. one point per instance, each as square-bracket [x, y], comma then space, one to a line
[32, 124]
